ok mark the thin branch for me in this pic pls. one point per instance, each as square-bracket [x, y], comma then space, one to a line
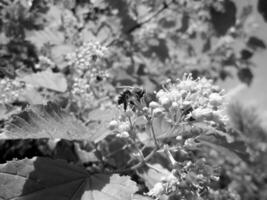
[138, 165]
[164, 6]
[154, 135]
[169, 155]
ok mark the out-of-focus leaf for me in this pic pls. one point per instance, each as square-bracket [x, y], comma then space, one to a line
[47, 79]
[6, 111]
[44, 178]
[236, 149]
[48, 35]
[256, 43]
[46, 121]
[245, 75]
[161, 50]
[262, 8]
[246, 54]
[246, 121]
[223, 20]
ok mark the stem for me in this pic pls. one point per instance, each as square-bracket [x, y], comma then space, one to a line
[154, 135]
[133, 139]
[138, 165]
[164, 6]
[169, 156]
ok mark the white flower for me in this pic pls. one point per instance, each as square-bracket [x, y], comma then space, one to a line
[201, 113]
[153, 104]
[123, 134]
[175, 105]
[113, 124]
[200, 96]
[179, 137]
[157, 190]
[215, 99]
[165, 101]
[158, 112]
[124, 126]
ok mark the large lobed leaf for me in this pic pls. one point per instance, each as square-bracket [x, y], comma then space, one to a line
[47, 79]
[49, 121]
[47, 179]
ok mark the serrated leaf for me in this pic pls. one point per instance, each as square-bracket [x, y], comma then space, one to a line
[47, 79]
[48, 35]
[100, 119]
[48, 121]
[46, 179]
[32, 96]
[6, 111]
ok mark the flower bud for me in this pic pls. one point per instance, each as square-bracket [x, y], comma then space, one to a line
[124, 134]
[129, 113]
[215, 99]
[165, 101]
[124, 127]
[175, 105]
[179, 137]
[153, 104]
[113, 124]
[158, 112]
[201, 113]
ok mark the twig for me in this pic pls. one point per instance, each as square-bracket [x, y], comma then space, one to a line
[138, 165]
[154, 135]
[165, 5]
[169, 155]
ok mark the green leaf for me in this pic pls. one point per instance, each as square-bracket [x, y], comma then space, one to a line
[162, 128]
[59, 52]
[45, 179]
[47, 35]
[47, 79]
[46, 121]
[6, 111]
[100, 119]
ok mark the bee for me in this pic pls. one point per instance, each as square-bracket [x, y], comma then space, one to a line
[131, 97]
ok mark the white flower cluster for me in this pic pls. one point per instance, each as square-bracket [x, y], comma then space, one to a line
[87, 74]
[86, 93]
[121, 127]
[10, 90]
[187, 98]
[84, 58]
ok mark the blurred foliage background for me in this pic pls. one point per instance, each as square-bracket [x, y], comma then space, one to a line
[79, 53]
